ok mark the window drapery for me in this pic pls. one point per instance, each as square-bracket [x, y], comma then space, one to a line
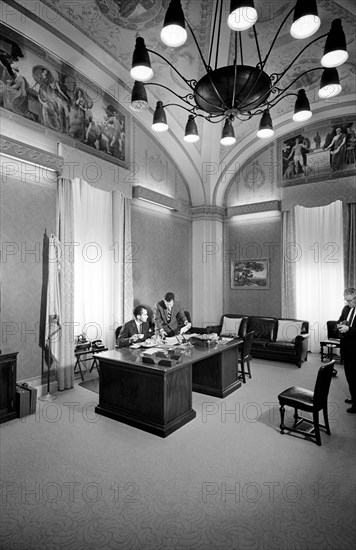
[319, 268]
[94, 230]
[103, 296]
[289, 259]
[350, 246]
[64, 230]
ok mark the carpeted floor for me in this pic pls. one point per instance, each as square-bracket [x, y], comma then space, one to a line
[227, 480]
[92, 385]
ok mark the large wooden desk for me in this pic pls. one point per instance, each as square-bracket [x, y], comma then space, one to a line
[158, 399]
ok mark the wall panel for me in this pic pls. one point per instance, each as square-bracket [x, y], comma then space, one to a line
[27, 209]
[162, 256]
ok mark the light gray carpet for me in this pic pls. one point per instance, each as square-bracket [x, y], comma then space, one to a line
[226, 481]
[92, 385]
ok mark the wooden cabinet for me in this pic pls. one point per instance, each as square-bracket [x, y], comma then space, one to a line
[8, 386]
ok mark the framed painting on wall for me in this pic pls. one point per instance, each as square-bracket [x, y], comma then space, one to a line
[250, 274]
[318, 152]
[46, 90]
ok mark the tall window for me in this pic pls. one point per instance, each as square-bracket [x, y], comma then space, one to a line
[93, 262]
[319, 267]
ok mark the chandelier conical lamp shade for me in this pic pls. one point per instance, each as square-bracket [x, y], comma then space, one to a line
[139, 97]
[228, 134]
[243, 15]
[329, 84]
[159, 119]
[265, 129]
[191, 130]
[302, 107]
[173, 33]
[305, 20]
[141, 65]
[335, 52]
[240, 91]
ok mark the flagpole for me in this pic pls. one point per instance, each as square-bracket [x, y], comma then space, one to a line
[49, 396]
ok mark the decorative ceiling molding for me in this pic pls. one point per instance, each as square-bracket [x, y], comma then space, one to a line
[30, 154]
[209, 213]
[267, 206]
[143, 193]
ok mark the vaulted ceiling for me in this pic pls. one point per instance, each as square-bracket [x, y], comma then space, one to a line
[98, 39]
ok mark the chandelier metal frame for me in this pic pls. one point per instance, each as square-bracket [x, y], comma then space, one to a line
[238, 91]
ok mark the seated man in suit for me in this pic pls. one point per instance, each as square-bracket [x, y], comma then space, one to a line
[169, 317]
[135, 330]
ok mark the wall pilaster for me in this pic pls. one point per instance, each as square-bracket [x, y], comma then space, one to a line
[207, 264]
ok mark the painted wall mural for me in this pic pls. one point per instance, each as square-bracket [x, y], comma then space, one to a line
[41, 88]
[133, 14]
[319, 152]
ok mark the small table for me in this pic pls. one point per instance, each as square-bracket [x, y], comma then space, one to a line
[81, 359]
[330, 346]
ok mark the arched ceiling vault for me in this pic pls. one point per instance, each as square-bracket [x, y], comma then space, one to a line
[98, 38]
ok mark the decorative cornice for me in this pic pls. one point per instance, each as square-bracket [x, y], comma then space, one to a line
[213, 213]
[266, 206]
[30, 154]
[143, 193]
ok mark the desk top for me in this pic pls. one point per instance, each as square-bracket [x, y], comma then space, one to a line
[187, 354]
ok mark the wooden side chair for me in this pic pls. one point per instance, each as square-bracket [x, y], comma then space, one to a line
[309, 401]
[244, 356]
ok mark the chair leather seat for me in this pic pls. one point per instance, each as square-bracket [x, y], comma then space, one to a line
[297, 397]
[310, 401]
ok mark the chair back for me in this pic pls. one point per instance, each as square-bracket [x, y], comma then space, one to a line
[333, 333]
[246, 345]
[117, 332]
[322, 385]
[187, 314]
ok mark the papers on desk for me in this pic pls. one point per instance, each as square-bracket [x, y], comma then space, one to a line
[179, 339]
[173, 340]
[225, 339]
[151, 351]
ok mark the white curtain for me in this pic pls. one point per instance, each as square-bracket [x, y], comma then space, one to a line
[289, 259]
[93, 278]
[102, 280]
[125, 253]
[319, 267]
[64, 226]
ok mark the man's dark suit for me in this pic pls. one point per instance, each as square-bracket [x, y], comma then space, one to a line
[348, 351]
[177, 321]
[129, 329]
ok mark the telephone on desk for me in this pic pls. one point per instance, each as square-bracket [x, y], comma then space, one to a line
[97, 345]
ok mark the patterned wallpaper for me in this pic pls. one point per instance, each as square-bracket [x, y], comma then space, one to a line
[254, 240]
[256, 181]
[26, 211]
[154, 169]
[162, 261]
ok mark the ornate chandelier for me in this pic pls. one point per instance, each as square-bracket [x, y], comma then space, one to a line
[238, 91]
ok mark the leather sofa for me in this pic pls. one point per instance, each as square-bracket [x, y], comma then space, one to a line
[276, 339]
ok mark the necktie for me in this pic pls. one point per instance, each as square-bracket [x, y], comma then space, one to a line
[169, 314]
[350, 316]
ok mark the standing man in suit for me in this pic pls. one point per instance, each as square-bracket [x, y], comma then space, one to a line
[169, 317]
[347, 329]
[136, 329]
